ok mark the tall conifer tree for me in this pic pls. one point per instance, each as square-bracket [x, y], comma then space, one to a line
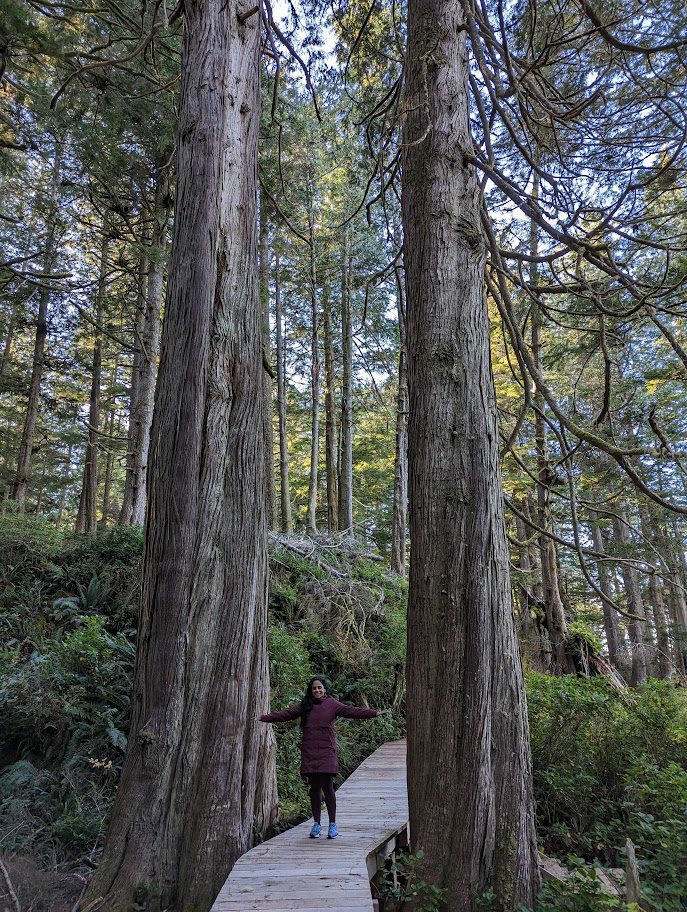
[469, 768]
[198, 772]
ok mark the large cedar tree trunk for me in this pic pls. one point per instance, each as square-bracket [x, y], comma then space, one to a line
[199, 769]
[21, 479]
[284, 488]
[146, 354]
[86, 517]
[469, 767]
[313, 481]
[400, 496]
[346, 455]
[331, 431]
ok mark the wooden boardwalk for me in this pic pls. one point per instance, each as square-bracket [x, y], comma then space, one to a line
[293, 872]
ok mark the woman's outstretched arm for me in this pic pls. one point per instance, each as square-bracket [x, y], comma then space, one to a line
[282, 715]
[354, 712]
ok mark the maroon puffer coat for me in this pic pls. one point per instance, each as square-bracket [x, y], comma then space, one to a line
[318, 747]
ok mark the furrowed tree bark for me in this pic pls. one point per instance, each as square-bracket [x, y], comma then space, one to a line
[314, 384]
[346, 456]
[197, 760]
[331, 431]
[86, 518]
[130, 483]
[264, 266]
[400, 496]
[472, 813]
[285, 493]
[19, 488]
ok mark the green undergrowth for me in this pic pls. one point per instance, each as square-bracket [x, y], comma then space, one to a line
[606, 766]
[68, 608]
[609, 766]
[67, 621]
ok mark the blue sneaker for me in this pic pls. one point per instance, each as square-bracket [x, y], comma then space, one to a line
[315, 831]
[333, 832]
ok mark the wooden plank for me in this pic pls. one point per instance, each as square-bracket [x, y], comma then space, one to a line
[300, 889]
[312, 902]
[272, 884]
[292, 872]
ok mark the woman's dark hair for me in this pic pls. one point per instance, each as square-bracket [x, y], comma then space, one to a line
[307, 701]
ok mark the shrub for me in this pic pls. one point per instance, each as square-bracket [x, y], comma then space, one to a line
[46, 581]
[110, 564]
[29, 551]
[72, 692]
[65, 709]
[608, 766]
[401, 881]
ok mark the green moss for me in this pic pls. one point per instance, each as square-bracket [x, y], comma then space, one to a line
[444, 354]
[579, 632]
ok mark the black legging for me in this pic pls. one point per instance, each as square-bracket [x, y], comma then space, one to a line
[322, 784]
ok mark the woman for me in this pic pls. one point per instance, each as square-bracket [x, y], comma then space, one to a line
[319, 761]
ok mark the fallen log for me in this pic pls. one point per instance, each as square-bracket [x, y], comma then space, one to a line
[610, 880]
